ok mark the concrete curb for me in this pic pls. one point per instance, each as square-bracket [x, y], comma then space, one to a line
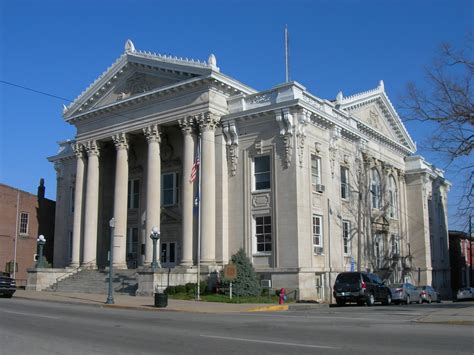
[268, 308]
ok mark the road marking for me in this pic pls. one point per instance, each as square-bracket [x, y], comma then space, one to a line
[31, 315]
[269, 342]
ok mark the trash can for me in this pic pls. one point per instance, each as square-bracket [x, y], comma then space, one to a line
[161, 300]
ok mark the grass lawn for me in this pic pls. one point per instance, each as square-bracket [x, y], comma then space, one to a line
[225, 298]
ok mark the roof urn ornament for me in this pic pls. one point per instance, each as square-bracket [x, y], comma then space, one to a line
[129, 47]
[212, 61]
[381, 85]
[339, 98]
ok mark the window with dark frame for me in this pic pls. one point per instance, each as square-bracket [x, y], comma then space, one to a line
[170, 189]
[133, 197]
[344, 182]
[346, 232]
[262, 172]
[263, 234]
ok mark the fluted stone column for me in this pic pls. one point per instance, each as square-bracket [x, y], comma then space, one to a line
[120, 201]
[78, 191]
[187, 193]
[153, 188]
[92, 205]
[207, 124]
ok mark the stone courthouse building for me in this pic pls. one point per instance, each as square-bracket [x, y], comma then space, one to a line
[308, 187]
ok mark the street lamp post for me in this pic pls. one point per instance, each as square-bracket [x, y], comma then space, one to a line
[110, 297]
[41, 242]
[155, 236]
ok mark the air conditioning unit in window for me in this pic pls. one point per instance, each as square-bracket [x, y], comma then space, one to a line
[318, 250]
[320, 188]
[266, 283]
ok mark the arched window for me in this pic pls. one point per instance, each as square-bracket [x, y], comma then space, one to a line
[375, 188]
[392, 197]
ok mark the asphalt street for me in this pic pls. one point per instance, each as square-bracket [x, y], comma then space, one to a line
[35, 327]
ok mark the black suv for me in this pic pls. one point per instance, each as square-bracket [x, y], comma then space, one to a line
[360, 287]
[7, 285]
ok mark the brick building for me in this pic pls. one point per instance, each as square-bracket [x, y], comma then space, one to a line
[23, 217]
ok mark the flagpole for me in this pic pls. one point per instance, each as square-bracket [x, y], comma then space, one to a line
[198, 294]
[287, 55]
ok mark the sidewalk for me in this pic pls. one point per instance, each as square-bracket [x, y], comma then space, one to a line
[147, 303]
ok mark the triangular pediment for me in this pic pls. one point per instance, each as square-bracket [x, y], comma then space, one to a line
[135, 73]
[374, 109]
[136, 82]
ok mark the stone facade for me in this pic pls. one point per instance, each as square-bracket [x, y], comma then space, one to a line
[308, 187]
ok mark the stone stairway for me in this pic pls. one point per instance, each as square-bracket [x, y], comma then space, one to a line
[95, 281]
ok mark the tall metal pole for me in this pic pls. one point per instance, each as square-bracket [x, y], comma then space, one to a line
[359, 219]
[110, 297]
[471, 283]
[198, 287]
[16, 232]
[287, 55]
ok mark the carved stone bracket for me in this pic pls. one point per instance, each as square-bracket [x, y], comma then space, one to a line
[92, 148]
[335, 134]
[284, 119]
[152, 133]
[231, 137]
[303, 119]
[120, 141]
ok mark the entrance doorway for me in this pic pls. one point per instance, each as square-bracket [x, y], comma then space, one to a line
[168, 254]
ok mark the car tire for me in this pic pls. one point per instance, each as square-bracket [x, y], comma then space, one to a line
[370, 300]
[387, 300]
[340, 302]
[407, 301]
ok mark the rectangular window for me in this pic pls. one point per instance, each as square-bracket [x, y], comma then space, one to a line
[317, 234]
[263, 234]
[262, 172]
[346, 237]
[133, 201]
[170, 189]
[24, 219]
[315, 172]
[344, 182]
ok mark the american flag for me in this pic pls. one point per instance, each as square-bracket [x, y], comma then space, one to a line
[195, 168]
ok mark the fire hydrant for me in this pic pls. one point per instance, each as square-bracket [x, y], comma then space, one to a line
[281, 300]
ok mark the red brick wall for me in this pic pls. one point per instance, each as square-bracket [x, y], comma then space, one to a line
[26, 243]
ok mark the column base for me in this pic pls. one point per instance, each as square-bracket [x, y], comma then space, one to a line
[91, 265]
[120, 266]
[73, 265]
[186, 263]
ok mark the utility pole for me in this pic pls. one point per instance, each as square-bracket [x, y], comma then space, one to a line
[359, 219]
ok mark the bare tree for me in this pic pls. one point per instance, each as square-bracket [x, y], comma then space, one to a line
[447, 102]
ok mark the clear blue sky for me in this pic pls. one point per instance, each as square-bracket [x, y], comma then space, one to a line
[60, 47]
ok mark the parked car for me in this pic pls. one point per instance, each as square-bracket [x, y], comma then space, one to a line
[428, 294]
[360, 287]
[7, 285]
[404, 293]
[465, 293]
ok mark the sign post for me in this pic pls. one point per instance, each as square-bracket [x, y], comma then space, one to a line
[230, 273]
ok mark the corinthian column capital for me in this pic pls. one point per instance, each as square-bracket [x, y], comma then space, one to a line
[186, 124]
[120, 141]
[78, 150]
[152, 133]
[92, 148]
[207, 121]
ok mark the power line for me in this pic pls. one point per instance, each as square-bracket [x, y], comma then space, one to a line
[35, 91]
